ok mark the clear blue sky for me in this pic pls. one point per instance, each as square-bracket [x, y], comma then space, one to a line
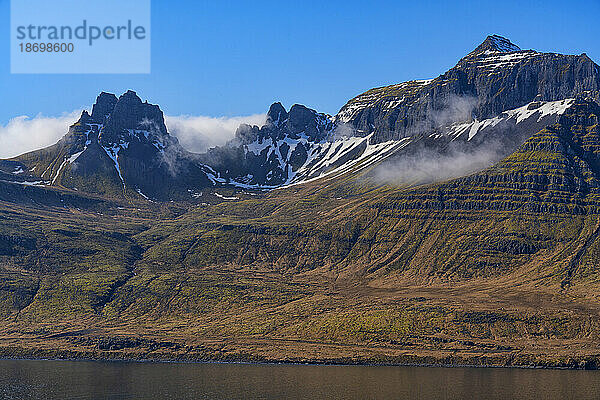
[235, 58]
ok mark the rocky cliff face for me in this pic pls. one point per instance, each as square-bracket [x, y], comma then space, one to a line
[495, 98]
[121, 149]
[273, 154]
[495, 77]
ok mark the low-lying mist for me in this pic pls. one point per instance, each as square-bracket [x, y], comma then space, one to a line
[430, 166]
[199, 133]
[195, 133]
[22, 134]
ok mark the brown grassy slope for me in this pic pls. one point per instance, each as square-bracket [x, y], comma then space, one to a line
[499, 267]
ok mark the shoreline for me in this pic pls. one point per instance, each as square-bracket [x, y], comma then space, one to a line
[28, 354]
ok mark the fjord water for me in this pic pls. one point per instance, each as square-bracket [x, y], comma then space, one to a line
[28, 379]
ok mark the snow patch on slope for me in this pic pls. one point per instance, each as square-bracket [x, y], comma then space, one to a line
[494, 60]
[113, 153]
[518, 115]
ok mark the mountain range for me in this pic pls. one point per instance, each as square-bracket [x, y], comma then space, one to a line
[447, 221]
[496, 94]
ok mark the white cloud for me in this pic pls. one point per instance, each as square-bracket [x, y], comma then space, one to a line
[22, 134]
[428, 166]
[196, 133]
[199, 133]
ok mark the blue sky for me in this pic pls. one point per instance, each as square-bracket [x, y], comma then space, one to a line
[224, 58]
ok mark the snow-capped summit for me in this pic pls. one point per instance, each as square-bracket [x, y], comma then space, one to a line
[495, 44]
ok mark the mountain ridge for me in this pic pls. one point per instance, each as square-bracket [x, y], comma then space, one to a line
[341, 263]
[495, 81]
[302, 144]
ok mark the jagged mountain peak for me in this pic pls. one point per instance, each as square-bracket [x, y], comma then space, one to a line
[129, 99]
[495, 44]
[495, 77]
[126, 113]
[304, 119]
[276, 114]
[500, 94]
[277, 152]
[85, 117]
[122, 149]
[299, 120]
[105, 103]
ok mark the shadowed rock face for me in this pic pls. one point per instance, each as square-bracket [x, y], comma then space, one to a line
[276, 114]
[105, 104]
[304, 120]
[121, 149]
[130, 113]
[495, 77]
[495, 98]
[270, 154]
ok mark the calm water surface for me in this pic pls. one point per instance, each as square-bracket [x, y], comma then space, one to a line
[24, 379]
